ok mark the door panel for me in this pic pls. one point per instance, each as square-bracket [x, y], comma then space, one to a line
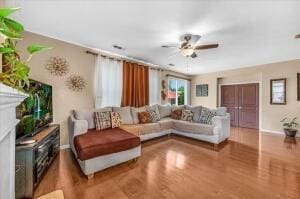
[248, 105]
[229, 100]
[242, 104]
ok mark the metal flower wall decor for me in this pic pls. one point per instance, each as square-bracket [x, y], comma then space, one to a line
[57, 66]
[76, 83]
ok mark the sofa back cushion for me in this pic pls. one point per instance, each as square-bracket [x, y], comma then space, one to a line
[180, 107]
[196, 111]
[89, 115]
[125, 113]
[134, 113]
[165, 110]
[102, 120]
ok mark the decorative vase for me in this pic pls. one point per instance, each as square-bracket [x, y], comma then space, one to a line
[290, 132]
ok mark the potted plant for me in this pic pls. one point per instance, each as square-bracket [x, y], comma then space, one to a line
[289, 127]
[15, 71]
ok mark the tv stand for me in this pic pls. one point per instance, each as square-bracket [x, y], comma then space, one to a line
[33, 160]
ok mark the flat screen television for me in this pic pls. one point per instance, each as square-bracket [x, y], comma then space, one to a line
[35, 112]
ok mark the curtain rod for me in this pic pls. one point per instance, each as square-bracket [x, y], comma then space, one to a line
[98, 54]
[178, 77]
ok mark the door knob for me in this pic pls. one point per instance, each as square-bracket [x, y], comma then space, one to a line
[240, 107]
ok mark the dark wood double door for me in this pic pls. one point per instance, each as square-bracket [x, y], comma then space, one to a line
[242, 102]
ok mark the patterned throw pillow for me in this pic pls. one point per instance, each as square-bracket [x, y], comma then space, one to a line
[206, 116]
[176, 114]
[187, 115]
[154, 108]
[115, 119]
[102, 120]
[144, 117]
[154, 116]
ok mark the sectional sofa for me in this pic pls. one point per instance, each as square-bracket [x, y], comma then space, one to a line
[82, 121]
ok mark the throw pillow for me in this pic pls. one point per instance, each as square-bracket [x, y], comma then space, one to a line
[187, 115]
[102, 120]
[153, 108]
[154, 116]
[196, 111]
[206, 116]
[115, 119]
[144, 117]
[176, 114]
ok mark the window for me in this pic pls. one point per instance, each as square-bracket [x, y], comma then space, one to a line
[178, 91]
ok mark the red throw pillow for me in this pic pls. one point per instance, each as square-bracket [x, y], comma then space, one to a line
[176, 114]
[144, 117]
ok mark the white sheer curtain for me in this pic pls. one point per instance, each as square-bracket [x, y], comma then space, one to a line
[108, 82]
[154, 86]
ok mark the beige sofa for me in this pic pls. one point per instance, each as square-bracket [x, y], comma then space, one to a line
[81, 121]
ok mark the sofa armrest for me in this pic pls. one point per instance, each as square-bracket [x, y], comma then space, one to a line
[76, 127]
[222, 126]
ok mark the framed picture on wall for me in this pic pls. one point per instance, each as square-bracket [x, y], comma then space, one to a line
[298, 86]
[202, 90]
[278, 91]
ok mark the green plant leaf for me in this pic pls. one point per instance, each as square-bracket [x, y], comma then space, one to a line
[4, 12]
[11, 35]
[14, 25]
[6, 50]
[34, 48]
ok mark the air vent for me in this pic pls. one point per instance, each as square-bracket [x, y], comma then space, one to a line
[171, 65]
[118, 47]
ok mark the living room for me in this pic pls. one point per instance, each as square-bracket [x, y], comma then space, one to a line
[169, 99]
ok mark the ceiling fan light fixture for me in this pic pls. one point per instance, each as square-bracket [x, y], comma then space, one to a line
[187, 52]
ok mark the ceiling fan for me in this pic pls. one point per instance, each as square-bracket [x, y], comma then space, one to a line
[188, 45]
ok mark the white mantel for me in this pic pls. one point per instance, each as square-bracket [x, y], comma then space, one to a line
[9, 99]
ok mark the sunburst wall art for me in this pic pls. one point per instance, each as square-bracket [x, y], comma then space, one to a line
[76, 83]
[57, 66]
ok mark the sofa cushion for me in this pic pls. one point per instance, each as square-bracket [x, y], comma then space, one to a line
[180, 107]
[153, 108]
[93, 144]
[144, 117]
[166, 123]
[192, 127]
[125, 114]
[141, 129]
[89, 115]
[187, 115]
[165, 110]
[102, 120]
[206, 116]
[134, 113]
[115, 119]
[196, 111]
[176, 114]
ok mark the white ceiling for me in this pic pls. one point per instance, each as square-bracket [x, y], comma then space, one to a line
[249, 32]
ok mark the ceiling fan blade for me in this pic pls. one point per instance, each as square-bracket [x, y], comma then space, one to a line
[165, 46]
[204, 47]
[297, 36]
[194, 55]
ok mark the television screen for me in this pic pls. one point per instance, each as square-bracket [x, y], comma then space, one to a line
[35, 112]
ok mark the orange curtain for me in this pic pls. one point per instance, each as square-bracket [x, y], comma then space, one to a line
[135, 85]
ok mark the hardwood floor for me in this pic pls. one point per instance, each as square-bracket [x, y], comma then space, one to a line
[249, 165]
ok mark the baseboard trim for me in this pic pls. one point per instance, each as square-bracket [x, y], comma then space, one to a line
[66, 146]
[277, 132]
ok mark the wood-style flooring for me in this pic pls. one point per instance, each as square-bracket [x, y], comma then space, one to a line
[250, 165]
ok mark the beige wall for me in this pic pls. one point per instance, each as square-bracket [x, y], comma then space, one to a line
[65, 100]
[270, 114]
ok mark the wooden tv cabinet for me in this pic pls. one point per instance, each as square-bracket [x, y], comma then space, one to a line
[33, 160]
